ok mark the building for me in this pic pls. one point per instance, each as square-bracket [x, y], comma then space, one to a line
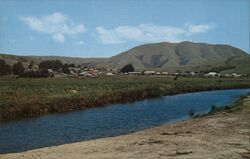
[149, 72]
[134, 73]
[211, 74]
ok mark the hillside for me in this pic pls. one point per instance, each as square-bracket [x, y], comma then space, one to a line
[239, 65]
[164, 56]
[11, 59]
[176, 56]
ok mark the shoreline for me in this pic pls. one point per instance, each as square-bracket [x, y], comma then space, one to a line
[25, 109]
[222, 134]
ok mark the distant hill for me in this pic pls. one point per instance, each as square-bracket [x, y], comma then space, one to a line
[164, 56]
[11, 59]
[176, 56]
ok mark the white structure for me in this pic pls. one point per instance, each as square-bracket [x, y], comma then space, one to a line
[134, 73]
[211, 74]
[109, 74]
[164, 73]
[149, 72]
[236, 75]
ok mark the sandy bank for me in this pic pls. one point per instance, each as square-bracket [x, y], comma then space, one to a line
[223, 135]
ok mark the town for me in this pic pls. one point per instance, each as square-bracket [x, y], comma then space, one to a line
[55, 68]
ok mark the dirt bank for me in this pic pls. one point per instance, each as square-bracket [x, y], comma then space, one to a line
[225, 134]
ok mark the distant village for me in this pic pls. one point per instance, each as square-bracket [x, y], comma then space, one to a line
[93, 72]
[55, 68]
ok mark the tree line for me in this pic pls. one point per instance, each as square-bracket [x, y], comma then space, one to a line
[6, 69]
[19, 69]
[55, 65]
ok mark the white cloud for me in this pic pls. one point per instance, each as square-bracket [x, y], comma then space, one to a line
[200, 28]
[59, 37]
[149, 33]
[57, 25]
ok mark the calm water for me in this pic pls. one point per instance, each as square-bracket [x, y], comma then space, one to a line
[112, 120]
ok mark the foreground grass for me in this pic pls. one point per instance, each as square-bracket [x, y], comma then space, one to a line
[21, 98]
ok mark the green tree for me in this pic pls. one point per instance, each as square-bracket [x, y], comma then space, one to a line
[4, 68]
[127, 68]
[51, 64]
[65, 69]
[18, 68]
[31, 65]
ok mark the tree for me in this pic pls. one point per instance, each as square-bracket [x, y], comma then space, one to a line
[51, 64]
[4, 68]
[72, 65]
[31, 65]
[65, 69]
[127, 68]
[18, 68]
[7, 69]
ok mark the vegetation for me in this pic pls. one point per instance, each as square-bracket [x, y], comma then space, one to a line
[185, 56]
[31, 65]
[36, 74]
[191, 113]
[18, 68]
[51, 64]
[237, 106]
[127, 68]
[4, 68]
[25, 97]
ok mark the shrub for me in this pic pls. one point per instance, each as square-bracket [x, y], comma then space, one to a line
[36, 74]
[127, 68]
[51, 64]
[4, 68]
[191, 113]
[18, 68]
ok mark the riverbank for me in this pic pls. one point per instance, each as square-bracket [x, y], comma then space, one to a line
[224, 134]
[23, 98]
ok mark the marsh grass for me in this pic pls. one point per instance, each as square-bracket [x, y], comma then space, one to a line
[26, 97]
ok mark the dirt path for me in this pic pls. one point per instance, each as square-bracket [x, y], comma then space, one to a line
[224, 135]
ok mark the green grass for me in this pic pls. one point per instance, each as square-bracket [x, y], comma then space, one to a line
[21, 97]
[235, 107]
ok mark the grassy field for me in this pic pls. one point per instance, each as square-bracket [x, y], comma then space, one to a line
[20, 97]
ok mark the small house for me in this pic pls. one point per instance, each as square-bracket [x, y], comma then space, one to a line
[211, 74]
[149, 72]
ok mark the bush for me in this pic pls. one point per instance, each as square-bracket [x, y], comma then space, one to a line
[4, 68]
[127, 68]
[36, 74]
[65, 69]
[18, 68]
[51, 64]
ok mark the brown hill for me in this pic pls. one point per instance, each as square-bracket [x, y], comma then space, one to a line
[174, 56]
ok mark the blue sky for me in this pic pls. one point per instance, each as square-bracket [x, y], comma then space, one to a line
[103, 28]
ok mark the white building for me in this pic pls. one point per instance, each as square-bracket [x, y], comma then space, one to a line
[149, 72]
[211, 74]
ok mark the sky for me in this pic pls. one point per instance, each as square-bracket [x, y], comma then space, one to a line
[103, 28]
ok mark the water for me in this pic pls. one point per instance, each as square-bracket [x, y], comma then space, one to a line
[107, 121]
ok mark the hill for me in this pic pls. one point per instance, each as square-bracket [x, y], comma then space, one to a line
[11, 59]
[164, 56]
[176, 56]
